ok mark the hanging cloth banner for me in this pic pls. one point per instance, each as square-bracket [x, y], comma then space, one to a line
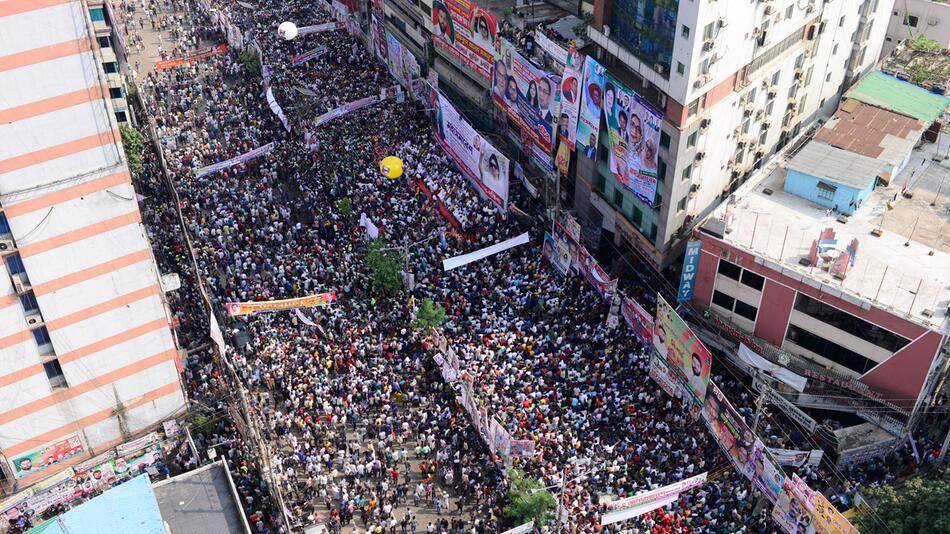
[637, 505]
[327, 27]
[247, 156]
[303, 318]
[465, 259]
[275, 107]
[307, 56]
[191, 57]
[250, 308]
[384, 94]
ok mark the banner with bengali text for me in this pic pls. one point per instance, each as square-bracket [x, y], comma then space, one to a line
[465, 31]
[527, 94]
[630, 507]
[192, 57]
[250, 308]
[681, 348]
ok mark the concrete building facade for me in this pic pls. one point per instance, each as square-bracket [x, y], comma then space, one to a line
[912, 18]
[89, 355]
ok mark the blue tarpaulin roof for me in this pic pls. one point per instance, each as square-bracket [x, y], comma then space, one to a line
[129, 508]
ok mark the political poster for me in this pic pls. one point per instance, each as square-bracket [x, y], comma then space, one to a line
[827, 519]
[346, 108]
[570, 106]
[791, 511]
[521, 447]
[133, 457]
[634, 133]
[595, 274]
[308, 55]
[250, 308]
[47, 456]
[638, 320]
[475, 157]
[97, 473]
[592, 95]
[681, 348]
[665, 377]
[377, 37]
[318, 28]
[630, 507]
[690, 268]
[465, 31]
[527, 94]
[557, 52]
[228, 163]
[403, 66]
[563, 159]
[746, 451]
[558, 252]
[191, 57]
[792, 458]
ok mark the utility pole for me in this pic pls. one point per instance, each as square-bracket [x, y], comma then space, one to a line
[759, 404]
[560, 498]
[943, 450]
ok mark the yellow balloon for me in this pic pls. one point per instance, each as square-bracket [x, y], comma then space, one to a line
[391, 167]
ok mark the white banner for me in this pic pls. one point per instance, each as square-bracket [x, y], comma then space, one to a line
[791, 458]
[753, 360]
[623, 509]
[465, 259]
[303, 318]
[247, 156]
[521, 529]
[275, 107]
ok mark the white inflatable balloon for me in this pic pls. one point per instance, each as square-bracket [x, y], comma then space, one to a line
[287, 30]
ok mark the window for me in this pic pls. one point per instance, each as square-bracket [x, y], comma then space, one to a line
[652, 234]
[849, 323]
[841, 22]
[691, 140]
[637, 217]
[104, 41]
[664, 139]
[763, 134]
[618, 199]
[827, 77]
[752, 94]
[729, 269]
[601, 182]
[4, 225]
[54, 372]
[827, 349]
[746, 124]
[693, 108]
[115, 92]
[910, 20]
[41, 336]
[28, 300]
[752, 279]
[826, 191]
[723, 300]
[744, 310]
[120, 116]
[789, 12]
[687, 171]
[15, 264]
[776, 77]
[709, 31]
[110, 67]
[834, 50]
[680, 68]
[685, 31]
[681, 205]
[704, 66]
[97, 14]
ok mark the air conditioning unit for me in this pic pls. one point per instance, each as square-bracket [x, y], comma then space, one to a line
[772, 93]
[6, 245]
[694, 187]
[701, 81]
[703, 124]
[768, 10]
[18, 284]
[759, 114]
[659, 67]
[741, 143]
[810, 8]
[34, 319]
[757, 32]
[766, 125]
[933, 21]
[699, 156]
[708, 45]
[747, 112]
[786, 130]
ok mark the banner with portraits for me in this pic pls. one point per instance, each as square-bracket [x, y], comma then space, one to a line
[558, 252]
[228, 163]
[746, 451]
[527, 94]
[467, 32]
[570, 106]
[791, 510]
[792, 458]
[637, 505]
[402, 64]
[475, 157]
[588, 122]
[266, 306]
[638, 320]
[595, 275]
[47, 456]
[634, 130]
[681, 348]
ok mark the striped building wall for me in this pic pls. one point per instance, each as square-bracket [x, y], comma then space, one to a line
[83, 324]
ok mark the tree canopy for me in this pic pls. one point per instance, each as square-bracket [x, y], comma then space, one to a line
[384, 265]
[529, 501]
[917, 505]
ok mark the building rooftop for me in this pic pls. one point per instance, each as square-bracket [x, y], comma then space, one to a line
[129, 508]
[871, 131]
[200, 501]
[888, 92]
[920, 61]
[910, 281]
[840, 166]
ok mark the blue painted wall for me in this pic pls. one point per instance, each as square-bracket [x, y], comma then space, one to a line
[806, 186]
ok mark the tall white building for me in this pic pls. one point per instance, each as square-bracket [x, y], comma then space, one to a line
[736, 82]
[88, 354]
[912, 18]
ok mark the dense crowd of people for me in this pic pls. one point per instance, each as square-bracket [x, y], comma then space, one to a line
[361, 431]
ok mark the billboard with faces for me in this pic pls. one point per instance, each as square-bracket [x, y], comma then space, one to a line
[527, 94]
[634, 133]
[675, 342]
[465, 31]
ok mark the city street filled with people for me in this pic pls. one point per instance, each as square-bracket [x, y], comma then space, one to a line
[361, 431]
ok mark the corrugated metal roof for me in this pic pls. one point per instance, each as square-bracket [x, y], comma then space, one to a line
[836, 165]
[884, 91]
[872, 131]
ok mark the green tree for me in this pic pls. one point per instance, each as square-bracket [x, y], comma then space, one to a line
[134, 144]
[917, 505]
[251, 62]
[429, 315]
[384, 265]
[345, 206]
[529, 501]
[203, 425]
